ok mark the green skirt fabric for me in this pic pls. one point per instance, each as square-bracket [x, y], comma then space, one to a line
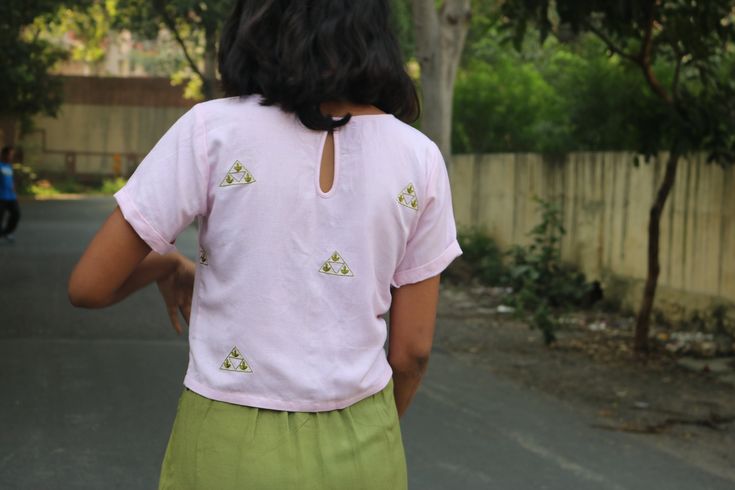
[217, 445]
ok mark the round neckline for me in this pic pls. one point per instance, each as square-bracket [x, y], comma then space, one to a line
[372, 115]
[360, 116]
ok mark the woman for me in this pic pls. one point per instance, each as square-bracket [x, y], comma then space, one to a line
[320, 210]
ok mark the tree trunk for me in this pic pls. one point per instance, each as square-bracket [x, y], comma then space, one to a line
[440, 36]
[642, 326]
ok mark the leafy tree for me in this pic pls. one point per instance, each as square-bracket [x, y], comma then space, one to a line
[605, 101]
[25, 85]
[550, 98]
[553, 98]
[196, 28]
[683, 49]
[506, 106]
[195, 25]
[90, 25]
[94, 25]
[484, 39]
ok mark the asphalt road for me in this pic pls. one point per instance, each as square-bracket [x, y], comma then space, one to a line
[88, 397]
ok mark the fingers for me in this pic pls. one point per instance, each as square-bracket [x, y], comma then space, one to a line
[173, 315]
[186, 311]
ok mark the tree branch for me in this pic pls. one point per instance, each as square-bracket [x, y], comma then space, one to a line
[645, 54]
[171, 25]
[644, 59]
[611, 45]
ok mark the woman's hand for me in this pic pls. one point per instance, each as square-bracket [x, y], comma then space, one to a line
[118, 262]
[177, 289]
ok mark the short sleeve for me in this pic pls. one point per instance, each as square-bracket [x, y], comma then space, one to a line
[169, 187]
[433, 243]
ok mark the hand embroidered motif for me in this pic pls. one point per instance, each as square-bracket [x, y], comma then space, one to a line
[237, 175]
[408, 197]
[335, 265]
[236, 362]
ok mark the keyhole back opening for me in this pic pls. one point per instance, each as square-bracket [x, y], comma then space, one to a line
[326, 167]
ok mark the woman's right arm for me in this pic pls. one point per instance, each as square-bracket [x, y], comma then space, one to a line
[412, 322]
[118, 262]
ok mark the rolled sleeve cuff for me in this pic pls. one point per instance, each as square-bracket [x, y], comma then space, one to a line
[142, 227]
[428, 270]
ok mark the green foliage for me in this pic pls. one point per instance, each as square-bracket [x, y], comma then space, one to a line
[502, 103]
[181, 36]
[483, 254]
[43, 189]
[505, 107]
[25, 85]
[541, 283]
[403, 26]
[554, 98]
[91, 27]
[24, 178]
[194, 24]
[606, 105]
[683, 50]
[111, 186]
[27, 184]
[70, 186]
[483, 37]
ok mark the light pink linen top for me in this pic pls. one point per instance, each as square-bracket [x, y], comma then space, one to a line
[292, 282]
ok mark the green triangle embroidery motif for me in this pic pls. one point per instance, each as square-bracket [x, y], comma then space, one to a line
[335, 265]
[236, 362]
[237, 175]
[408, 197]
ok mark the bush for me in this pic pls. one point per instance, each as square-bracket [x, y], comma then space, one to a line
[70, 186]
[483, 255]
[505, 107]
[552, 98]
[111, 186]
[541, 283]
[43, 188]
[27, 184]
[25, 178]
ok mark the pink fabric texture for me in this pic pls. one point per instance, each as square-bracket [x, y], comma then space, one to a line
[292, 282]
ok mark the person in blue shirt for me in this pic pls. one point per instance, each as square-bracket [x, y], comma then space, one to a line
[8, 198]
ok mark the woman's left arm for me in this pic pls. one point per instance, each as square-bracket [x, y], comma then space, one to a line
[117, 263]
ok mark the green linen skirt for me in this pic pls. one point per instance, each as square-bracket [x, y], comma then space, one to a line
[222, 446]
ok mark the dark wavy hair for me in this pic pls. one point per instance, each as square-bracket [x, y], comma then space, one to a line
[300, 53]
